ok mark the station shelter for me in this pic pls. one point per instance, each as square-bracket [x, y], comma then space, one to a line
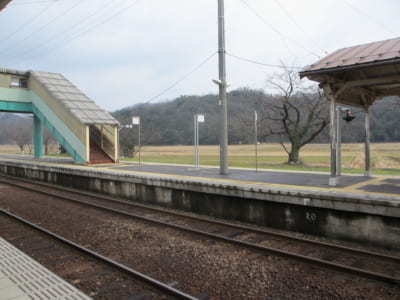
[357, 76]
[86, 131]
[4, 3]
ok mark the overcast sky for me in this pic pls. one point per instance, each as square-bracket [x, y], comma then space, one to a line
[124, 52]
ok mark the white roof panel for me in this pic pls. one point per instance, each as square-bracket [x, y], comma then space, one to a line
[81, 106]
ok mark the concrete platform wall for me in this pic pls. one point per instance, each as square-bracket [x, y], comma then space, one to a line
[314, 212]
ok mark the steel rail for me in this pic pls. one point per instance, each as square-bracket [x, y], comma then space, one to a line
[331, 246]
[120, 267]
[310, 260]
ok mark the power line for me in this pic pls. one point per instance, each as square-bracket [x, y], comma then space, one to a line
[261, 63]
[298, 25]
[112, 16]
[32, 2]
[182, 78]
[33, 33]
[362, 13]
[75, 35]
[27, 22]
[263, 20]
[60, 35]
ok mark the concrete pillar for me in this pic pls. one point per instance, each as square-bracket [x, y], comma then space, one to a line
[37, 137]
[367, 143]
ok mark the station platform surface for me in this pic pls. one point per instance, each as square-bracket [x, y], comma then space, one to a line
[374, 186]
[22, 278]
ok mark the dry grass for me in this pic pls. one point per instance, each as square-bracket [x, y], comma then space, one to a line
[384, 156]
[14, 149]
[9, 149]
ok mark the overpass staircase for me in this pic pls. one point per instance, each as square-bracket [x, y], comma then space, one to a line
[87, 132]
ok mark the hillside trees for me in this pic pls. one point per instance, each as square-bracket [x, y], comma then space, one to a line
[171, 123]
[296, 113]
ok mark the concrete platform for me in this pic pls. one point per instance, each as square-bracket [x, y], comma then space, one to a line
[22, 278]
[375, 187]
[361, 209]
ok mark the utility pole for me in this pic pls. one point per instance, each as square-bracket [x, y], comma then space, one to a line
[223, 135]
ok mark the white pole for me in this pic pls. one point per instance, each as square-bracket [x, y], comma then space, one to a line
[196, 141]
[139, 141]
[256, 138]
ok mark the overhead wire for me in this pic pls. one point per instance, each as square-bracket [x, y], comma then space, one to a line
[36, 31]
[182, 78]
[78, 33]
[31, 2]
[362, 13]
[261, 63]
[265, 22]
[11, 34]
[299, 26]
[112, 16]
[103, 11]
[59, 35]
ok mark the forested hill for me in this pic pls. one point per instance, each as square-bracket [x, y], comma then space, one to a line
[171, 123]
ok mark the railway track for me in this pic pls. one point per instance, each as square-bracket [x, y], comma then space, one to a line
[103, 278]
[376, 266]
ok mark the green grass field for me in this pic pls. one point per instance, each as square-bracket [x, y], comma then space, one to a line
[385, 157]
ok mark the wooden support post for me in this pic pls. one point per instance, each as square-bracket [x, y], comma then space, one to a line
[333, 180]
[367, 143]
[338, 142]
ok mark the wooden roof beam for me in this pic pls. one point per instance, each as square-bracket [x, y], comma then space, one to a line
[374, 81]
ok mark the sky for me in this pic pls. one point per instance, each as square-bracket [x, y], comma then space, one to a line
[124, 52]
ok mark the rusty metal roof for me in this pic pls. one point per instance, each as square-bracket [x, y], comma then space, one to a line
[3, 3]
[359, 75]
[367, 54]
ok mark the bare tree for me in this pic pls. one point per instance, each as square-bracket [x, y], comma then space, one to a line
[47, 139]
[22, 136]
[297, 114]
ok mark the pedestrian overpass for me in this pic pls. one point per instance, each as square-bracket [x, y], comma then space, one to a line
[87, 132]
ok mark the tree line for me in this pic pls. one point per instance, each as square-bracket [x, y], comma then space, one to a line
[171, 123]
[294, 116]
